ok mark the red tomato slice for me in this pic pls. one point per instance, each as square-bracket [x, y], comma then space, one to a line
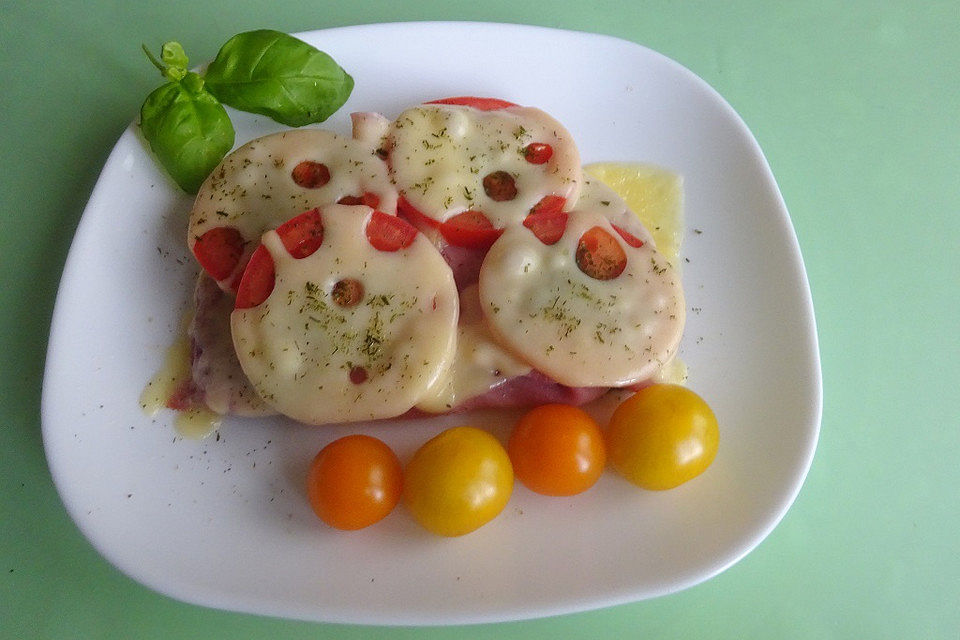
[470, 229]
[599, 255]
[303, 234]
[414, 215]
[628, 237]
[549, 204]
[389, 233]
[537, 153]
[218, 251]
[548, 227]
[484, 104]
[257, 281]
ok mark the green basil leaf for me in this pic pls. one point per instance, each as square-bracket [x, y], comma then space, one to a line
[279, 76]
[188, 130]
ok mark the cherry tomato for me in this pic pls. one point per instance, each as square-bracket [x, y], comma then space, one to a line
[557, 450]
[470, 229]
[354, 482]
[662, 436]
[458, 481]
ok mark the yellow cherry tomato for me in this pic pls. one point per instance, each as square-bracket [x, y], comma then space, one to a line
[662, 436]
[557, 450]
[354, 482]
[458, 481]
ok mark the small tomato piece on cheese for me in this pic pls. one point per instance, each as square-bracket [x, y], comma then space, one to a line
[549, 204]
[218, 251]
[347, 292]
[257, 281]
[389, 233]
[302, 235]
[500, 186]
[310, 174]
[628, 237]
[470, 229]
[537, 153]
[599, 255]
[548, 227]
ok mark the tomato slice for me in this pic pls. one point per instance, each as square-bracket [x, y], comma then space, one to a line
[389, 233]
[218, 251]
[549, 204]
[258, 280]
[628, 237]
[414, 215]
[484, 104]
[303, 234]
[548, 227]
[310, 175]
[537, 153]
[470, 229]
[599, 255]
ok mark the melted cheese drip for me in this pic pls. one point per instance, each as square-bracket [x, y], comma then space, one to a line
[440, 154]
[299, 347]
[174, 372]
[480, 363]
[195, 423]
[252, 189]
[578, 330]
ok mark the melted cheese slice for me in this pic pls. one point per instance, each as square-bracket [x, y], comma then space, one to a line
[302, 351]
[481, 363]
[252, 189]
[440, 154]
[578, 330]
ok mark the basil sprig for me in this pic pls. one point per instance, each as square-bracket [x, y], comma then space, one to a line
[276, 75]
[265, 72]
[187, 128]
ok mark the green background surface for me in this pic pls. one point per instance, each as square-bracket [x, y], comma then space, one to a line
[857, 107]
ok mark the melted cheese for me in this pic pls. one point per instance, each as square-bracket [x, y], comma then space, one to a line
[252, 189]
[299, 347]
[578, 330]
[480, 364]
[439, 155]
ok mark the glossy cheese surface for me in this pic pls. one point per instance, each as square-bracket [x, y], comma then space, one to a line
[578, 330]
[440, 154]
[319, 361]
[480, 364]
[253, 189]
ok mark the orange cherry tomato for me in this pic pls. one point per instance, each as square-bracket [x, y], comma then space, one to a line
[354, 482]
[662, 436]
[557, 450]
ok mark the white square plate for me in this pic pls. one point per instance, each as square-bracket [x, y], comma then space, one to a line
[225, 522]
